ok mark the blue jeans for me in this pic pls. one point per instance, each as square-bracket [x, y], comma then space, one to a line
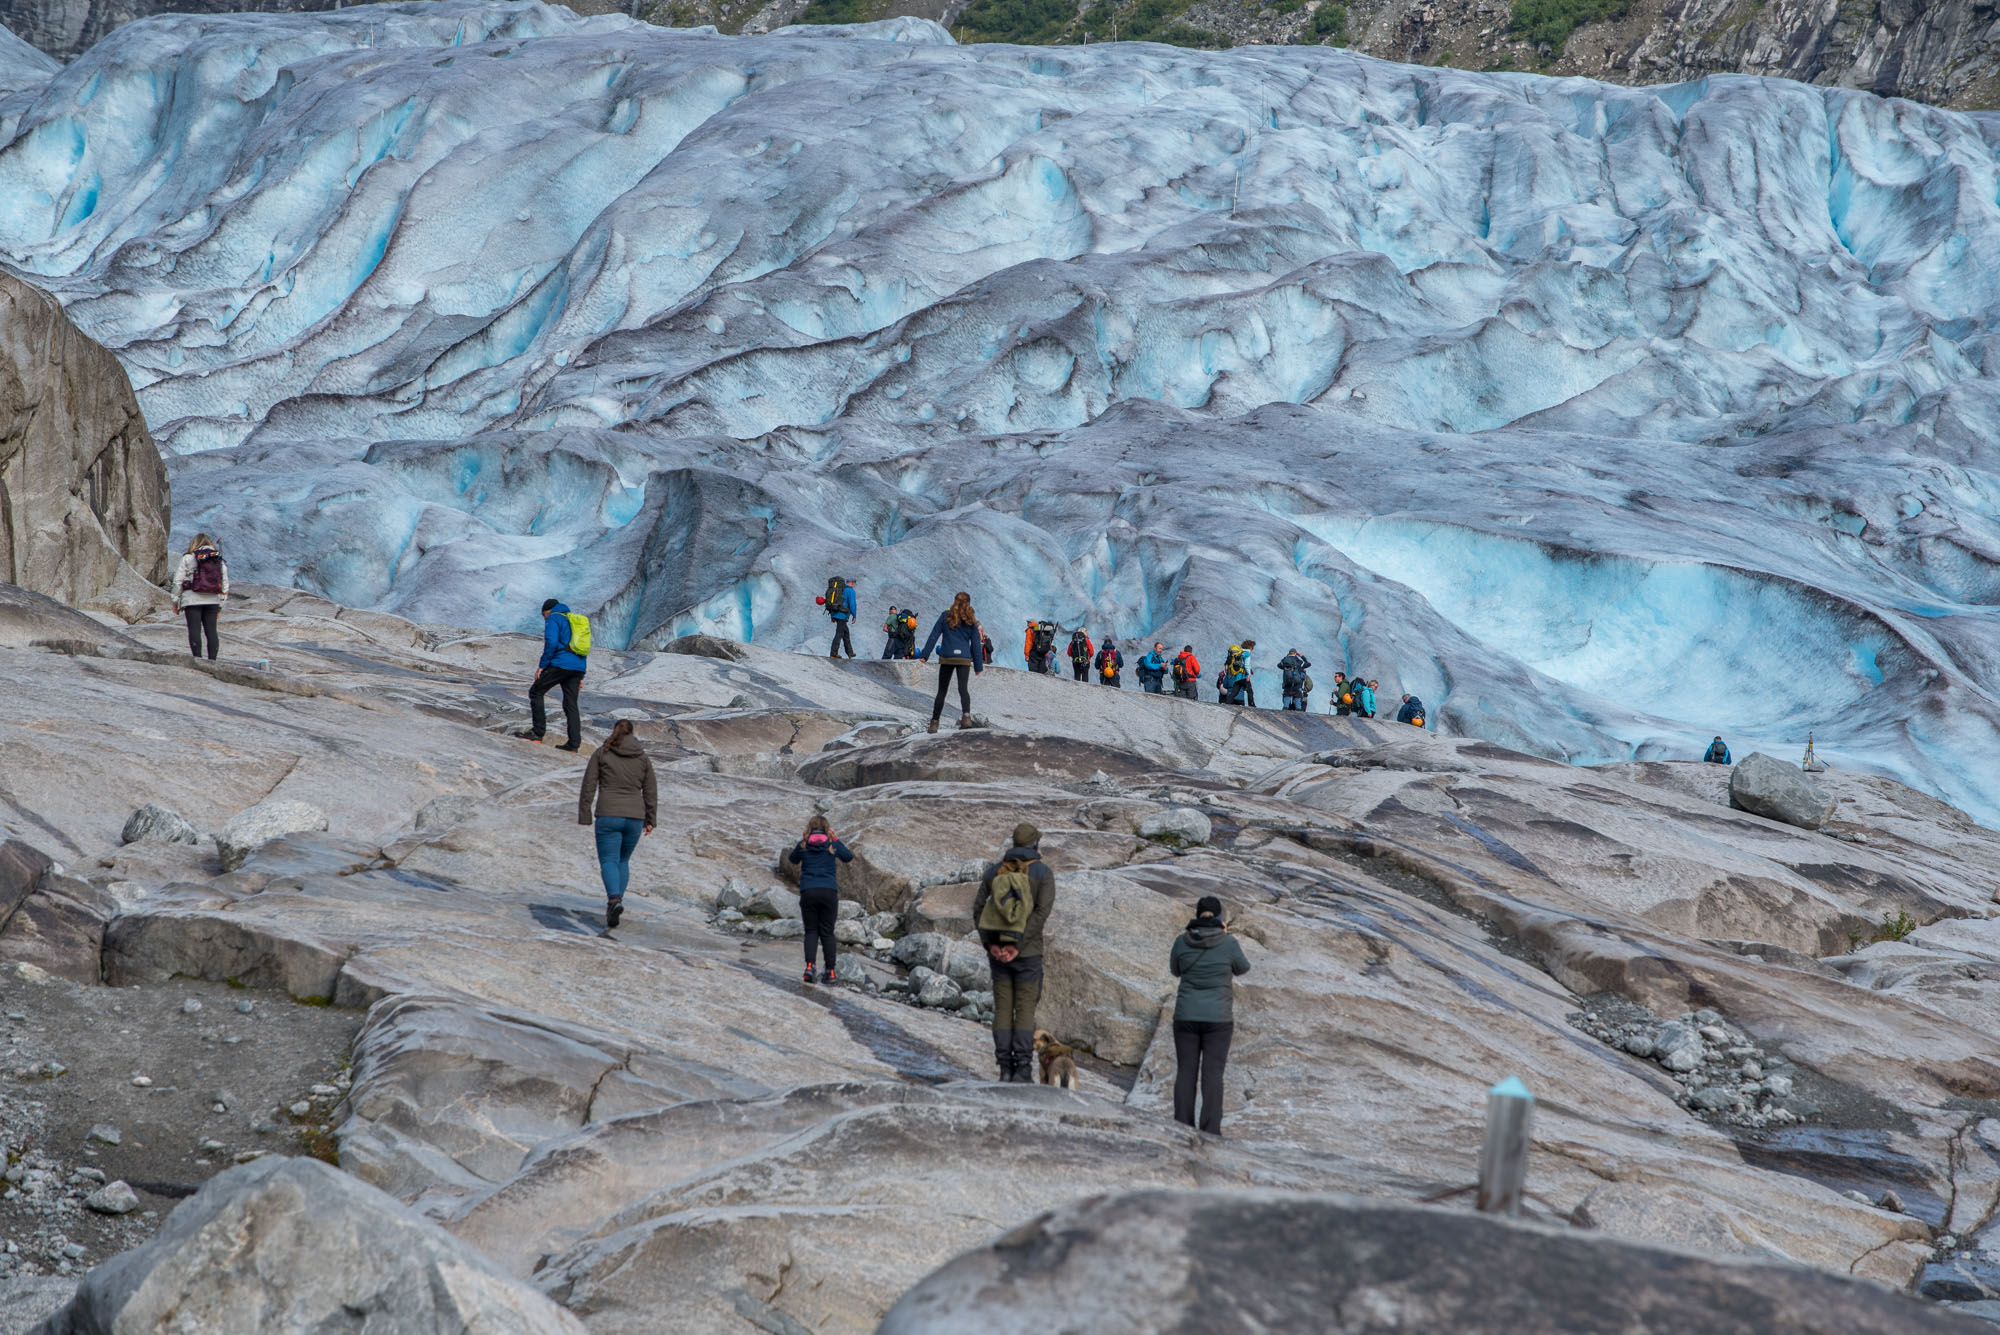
[617, 836]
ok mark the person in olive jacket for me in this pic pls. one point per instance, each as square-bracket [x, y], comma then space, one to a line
[1206, 958]
[621, 780]
[818, 856]
[1015, 960]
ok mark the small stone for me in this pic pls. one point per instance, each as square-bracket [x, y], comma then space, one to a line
[1947, 1242]
[89, 1174]
[160, 823]
[104, 1135]
[1702, 1017]
[1639, 1043]
[300, 1109]
[882, 943]
[115, 1198]
[211, 1146]
[1678, 1047]
[1713, 1033]
[52, 1069]
[190, 1006]
[245, 1156]
[263, 1128]
[850, 932]
[245, 1007]
[1180, 824]
[729, 916]
[1856, 1197]
[324, 1091]
[232, 1039]
[75, 1251]
[1750, 1070]
[1778, 1086]
[784, 928]
[142, 1081]
[18, 1017]
[1713, 1099]
[1889, 1201]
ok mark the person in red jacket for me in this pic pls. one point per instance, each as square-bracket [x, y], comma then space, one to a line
[1080, 652]
[1187, 673]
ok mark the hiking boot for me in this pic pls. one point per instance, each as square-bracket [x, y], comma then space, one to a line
[567, 746]
[933, 727]
[527, 736]
[833, 657]
[811, 976]
[965, 720]
[614, 909]
[831, 976]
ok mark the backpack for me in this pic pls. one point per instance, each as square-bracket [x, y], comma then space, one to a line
[835, 587]
[207, 573]
[1416, 720]
[1079, 648]
[579, 634]
[1045, 637]
[1180, 671]
[1293, 676]
[1012, 901]
[1346, 696]
[1233, 664]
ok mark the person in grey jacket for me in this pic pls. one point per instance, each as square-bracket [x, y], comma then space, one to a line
[1206, 958]
[620, 782]
[199, 589]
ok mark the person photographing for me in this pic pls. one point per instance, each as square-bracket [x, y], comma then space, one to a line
[1207, 960]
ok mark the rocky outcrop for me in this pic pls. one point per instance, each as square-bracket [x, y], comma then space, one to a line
[293, 1244]
[1229, 1263]
[1766, 786]
[248, 831]
[83, 493]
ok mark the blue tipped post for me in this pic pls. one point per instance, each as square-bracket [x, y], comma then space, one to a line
[1503, 1160]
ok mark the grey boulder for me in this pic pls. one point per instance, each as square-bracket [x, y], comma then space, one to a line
[1285, 1263]
[441, 813]
[159, 823]
[1184, 824]
[1765, 786]
[249, 830]
[293, 1244]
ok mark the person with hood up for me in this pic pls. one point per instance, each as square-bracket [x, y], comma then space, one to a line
[627, 805]
[1207, 959]
[1295, 684]
[1080, 651]
[818, 856]
[961, 653]
[1010, 911]
[1718, 754]
[1038, 645]
[1187, 674]
[1412, 711]
[200, 588]
[563, 664]
[1109, 665]
[1153, 670]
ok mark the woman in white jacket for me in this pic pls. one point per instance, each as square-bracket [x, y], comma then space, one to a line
[201, 585]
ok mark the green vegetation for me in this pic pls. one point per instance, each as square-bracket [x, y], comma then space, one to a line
[1552, 21]
[1029, 22]
[1896, 926]
[842, 11]
[1330, 24]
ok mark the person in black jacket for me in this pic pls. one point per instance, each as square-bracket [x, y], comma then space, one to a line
[1206, 958]
[819, 889]
[1412, 711]
[961, 653]
[1294, 666]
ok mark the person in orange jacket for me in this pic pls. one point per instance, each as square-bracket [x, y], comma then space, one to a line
[1187, 673]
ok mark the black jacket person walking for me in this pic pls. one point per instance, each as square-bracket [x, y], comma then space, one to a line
[1206, 958]
[1010, 910]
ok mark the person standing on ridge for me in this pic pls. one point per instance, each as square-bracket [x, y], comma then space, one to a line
[1039, 645]
[1295, 684]
[1109, 664]
[901, 632]
[841, 604]
[1153, 669]
[1343, 695]
[1718, 754]
[1412, 711]
[620, 777]
[1080, 651]
[565, 659]
[1234, 683]
[1364, 698]
[985, 644]
[1011, 909]
[200, 588]
[957, 639]
[818, 856]
[1187, 674]
[1207, 959]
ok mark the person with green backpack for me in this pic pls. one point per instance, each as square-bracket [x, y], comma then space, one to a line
[565, 658]
[1010, 911]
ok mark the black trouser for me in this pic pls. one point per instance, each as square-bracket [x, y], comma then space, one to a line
[201, 622]
[571, 682]
[841, 637]
[1039, 661]
[819, 908]
[1201, 1047]
[1341, 709]
[1017, 987]
[1189, 689]
[1241, 694]
[1081, 666]
[1116, 681]
[945, 671]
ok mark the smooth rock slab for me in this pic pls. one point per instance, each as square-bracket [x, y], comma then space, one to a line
[1765, 786]
[294, 1245]
[1237, 1262]
[247, 831]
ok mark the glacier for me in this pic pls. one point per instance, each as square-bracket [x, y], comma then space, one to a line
[1603, 418]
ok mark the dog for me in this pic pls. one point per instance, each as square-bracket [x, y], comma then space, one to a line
[1058, 1060]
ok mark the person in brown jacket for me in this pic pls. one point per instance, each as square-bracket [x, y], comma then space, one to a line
[620, 778]
[1014, 947]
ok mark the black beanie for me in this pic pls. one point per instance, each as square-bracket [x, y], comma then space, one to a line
[1208, 906]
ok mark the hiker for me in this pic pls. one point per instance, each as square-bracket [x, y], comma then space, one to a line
[1412, 711]
[1080, 650]
[1233, 682]
[1153, 670]
[620, 777]
[565, 658]
[1718, 754]
[840, 604]
[1343, 695]
[1039, 645]
[1010, 910]
[201, 587]
[1206, 958]
[1295, 684]
[818, 856]
[901, 630]
[1109, 662]
[957, 639]
[1187, 673]
[985, 643]
[1364, 698]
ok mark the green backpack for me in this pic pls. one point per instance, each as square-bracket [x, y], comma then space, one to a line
[579, 634]
[1012, 901]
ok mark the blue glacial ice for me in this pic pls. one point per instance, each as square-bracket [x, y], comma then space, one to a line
[1603, 418]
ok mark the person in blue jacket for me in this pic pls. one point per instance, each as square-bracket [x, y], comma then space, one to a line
[1411, 712]
[1364, 698]
[563, 667]
[818, 856]
[842, 610]
[957, 639]
[1153, 670]
[1718, 754]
